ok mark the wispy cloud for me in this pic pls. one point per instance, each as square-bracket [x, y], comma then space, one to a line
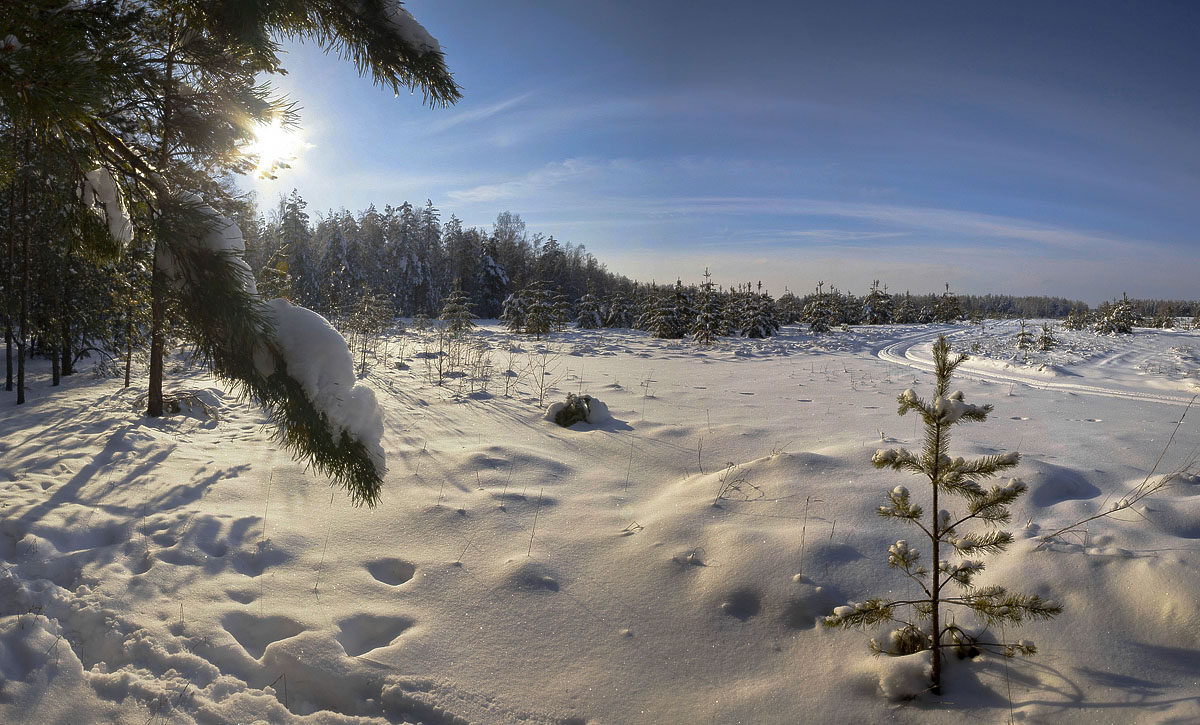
[480, 113]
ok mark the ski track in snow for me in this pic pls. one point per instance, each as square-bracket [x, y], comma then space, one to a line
[906, 352]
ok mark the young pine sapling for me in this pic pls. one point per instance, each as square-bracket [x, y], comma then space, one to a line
[922, 620]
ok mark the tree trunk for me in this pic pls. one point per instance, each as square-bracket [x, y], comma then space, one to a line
[24, 314]
[67, 356]
[154, 399]
[9, 282]
[935, 659]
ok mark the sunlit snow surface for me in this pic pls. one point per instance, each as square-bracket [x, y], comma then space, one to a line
[186, 570]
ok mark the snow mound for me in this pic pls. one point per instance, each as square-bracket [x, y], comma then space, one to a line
[316, 355]
[597, 411]
[903, 678]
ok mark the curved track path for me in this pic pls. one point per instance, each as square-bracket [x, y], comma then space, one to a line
[905, 352]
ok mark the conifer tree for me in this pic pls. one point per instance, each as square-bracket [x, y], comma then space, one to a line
[540, 313]
[164, 97]
[1024, 337]
[760, 317]
[707, 325]
[560, 311]
[949, 307]
[672, 308]
[493, 280]
[456, 311]
[922, 618]
[1077, 319]
[588, 316]
[819, 312]
[1047, 340]
[1117, 317]
[620, 311]
[877, 307]
[513, 312]
[788, 308]
[906, 311]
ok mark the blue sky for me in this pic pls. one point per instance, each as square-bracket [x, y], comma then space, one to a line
[1017, 147]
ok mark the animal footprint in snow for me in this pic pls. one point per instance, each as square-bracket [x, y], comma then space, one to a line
[363, 633]
[393, 572]
[742, 603]
[256, 633]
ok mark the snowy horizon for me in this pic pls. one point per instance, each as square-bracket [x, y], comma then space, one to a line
[1023, 149]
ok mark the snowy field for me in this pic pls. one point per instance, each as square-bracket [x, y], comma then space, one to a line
[667, 565]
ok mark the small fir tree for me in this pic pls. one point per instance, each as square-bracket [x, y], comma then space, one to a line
[560, 311]
[667, 318]
[906, 311]
[588, 316]
[877, 307]
[707, 325]
[456, 311]
[620, 311]
[1117, 318]
[948, 308]
[513, 311]
[1077, 319]
[1047, 340]
[1024, 337]
[760, 318]
[540, 313]
[922, 620]
[819, 312]
[788, 308]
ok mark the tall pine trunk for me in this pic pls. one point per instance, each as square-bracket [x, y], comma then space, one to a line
[154, 403]
[154, 397]
[9, 282]
[66, 354]
[24, 314]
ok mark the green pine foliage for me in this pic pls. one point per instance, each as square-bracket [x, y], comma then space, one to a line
[820, 313]
[788, 308]
[759, 316]
[1047, 340]
[948, 307]
[1077, 319]
[906, 311]
[708, 324]
[588, 315]
[456, 311]
[1024, 337]
[877, 307]
[530, 310]
[1117, 317]
[672, 309]
[928, 620]
[621, 311]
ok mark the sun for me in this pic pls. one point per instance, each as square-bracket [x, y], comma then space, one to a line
[276, 148]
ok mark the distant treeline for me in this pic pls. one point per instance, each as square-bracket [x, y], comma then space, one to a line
[409, 258]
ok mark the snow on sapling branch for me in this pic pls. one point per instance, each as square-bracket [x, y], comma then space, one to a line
[922, 620]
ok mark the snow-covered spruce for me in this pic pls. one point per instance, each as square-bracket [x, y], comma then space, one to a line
[588, 315]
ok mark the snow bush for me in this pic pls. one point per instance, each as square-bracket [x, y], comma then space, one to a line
[1117, 317]
[577, 409]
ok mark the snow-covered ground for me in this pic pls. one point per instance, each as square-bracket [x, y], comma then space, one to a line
[186, 569]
